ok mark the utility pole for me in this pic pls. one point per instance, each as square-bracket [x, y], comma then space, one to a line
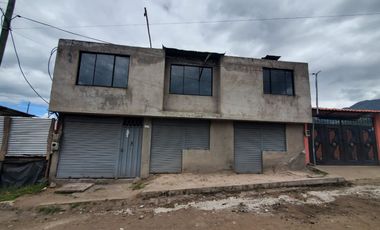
[316, 89]
[6, 27]
[27, 109]
[313, 123]
[147, 25]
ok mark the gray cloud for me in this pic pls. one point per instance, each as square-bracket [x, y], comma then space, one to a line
[345, 49]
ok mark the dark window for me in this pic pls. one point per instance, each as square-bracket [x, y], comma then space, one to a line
[191, 80]
[278, 81]
[103, 70]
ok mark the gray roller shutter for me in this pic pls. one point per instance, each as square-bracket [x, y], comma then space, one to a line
[1, 130]
[273, 137]
[251, 139]
[196, 134]
[89, 147]
[248, 158]
[170, 137]
[28, 136]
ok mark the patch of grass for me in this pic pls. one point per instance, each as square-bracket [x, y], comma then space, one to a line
[138, 185]
[12, 193]
[74, 205]
[47, 210]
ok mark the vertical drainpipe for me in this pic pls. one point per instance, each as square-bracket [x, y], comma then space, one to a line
[306, 145]
[377, 133]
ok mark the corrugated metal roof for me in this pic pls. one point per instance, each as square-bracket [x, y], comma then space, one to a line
[348, 110]
[191, 53]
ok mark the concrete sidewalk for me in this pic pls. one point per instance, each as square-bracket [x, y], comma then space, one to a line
[187, 183]
[352, 173]
[176, 184]
[98, 192]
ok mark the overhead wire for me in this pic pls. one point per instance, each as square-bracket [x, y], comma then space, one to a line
[21, 70]
[63, 30]
[51, 54]
[211, 21]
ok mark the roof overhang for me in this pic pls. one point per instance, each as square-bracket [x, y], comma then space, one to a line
[192, 54]
[343, 113]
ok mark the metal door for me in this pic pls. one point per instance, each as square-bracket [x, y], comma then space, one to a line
[89, 147]
[130, 154]
[170, 137]
[340, 141]
[248, 157]
[250, 139]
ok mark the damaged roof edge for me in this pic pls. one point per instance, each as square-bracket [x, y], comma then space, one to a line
[191, 53]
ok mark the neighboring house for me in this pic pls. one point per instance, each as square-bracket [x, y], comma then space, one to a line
[129, 111]
[5, 111]
[24, 147]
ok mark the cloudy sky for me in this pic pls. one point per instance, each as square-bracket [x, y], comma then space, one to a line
[346, 49]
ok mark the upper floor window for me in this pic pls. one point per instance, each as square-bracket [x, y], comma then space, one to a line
[103, 70]
[278, 81]
[190, 80]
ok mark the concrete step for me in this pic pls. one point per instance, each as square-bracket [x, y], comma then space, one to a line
[328, 181]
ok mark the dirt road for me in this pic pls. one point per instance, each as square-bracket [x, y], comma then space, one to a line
[356, 207]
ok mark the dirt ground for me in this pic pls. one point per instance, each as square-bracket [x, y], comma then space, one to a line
[354, 207]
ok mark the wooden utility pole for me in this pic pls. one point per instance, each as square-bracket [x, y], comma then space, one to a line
[147, 25]
[6, 27]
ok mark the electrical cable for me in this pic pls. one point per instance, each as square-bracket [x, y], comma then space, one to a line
[22, 72]
[63, 30]
[51, 54]
[211, 22]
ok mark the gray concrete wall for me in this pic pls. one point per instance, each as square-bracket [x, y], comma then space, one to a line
[237, 88]
[293, 158]
[145, 84]
[242, 93]
[220, 155]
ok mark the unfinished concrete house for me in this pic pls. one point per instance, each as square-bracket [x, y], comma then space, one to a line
[129, 112]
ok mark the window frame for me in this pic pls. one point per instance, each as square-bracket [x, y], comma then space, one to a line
[183, 82]
[270, 82]
[113, 69]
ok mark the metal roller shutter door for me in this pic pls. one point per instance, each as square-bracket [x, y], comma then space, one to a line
[170, 137]
[89, 147]
[248, 158]
[273, 137]
[251, 139]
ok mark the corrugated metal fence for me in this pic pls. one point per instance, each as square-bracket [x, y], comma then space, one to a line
[28, 136]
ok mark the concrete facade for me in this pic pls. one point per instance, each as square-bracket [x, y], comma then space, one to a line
[237, 95]
[293, 158]
[237, 88]
[220, 155]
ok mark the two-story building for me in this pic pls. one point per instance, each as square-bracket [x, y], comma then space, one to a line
[131, 111]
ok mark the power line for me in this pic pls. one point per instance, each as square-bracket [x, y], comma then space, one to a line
[217, 21]
[63, 30]
[51, 54]
[22, 72]
[28, 38]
